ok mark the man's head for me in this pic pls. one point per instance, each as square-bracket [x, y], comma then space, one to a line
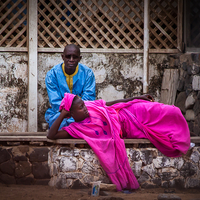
[71, 57]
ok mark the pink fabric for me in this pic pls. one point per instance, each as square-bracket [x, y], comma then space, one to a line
[101, 131]
[138, 119]
[164, 125]
[67, 101]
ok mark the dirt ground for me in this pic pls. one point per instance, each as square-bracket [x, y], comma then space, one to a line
[37, 192]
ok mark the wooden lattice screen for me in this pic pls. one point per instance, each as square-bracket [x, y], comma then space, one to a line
[13, 23]
[163, 24]
[91, 24]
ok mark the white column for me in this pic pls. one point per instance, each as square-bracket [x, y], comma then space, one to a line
[146, 48]
[32, 65]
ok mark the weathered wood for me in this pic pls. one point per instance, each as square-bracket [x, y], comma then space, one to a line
[41, 136]
[146, 48]
[179, 25]
[23, 134]
[169, 86]
[32, 62]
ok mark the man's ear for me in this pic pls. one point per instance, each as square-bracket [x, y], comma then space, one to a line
[62, 56]
[80, 58]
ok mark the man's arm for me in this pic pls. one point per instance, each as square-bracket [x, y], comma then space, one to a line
[54, 133]
[53, 91]
[89, 92]
[146, 97]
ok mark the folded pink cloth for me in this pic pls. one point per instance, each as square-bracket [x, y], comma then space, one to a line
[67, 101]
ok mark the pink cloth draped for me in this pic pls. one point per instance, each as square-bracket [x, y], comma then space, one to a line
[67, 101]
[164, 125]
[138, 119]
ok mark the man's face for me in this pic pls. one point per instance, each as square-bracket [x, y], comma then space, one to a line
[71, 57]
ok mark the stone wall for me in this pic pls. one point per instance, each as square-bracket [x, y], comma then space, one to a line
[65, 167]
[24, 165]
[188, 94]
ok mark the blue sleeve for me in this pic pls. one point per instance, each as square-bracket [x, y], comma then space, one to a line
[53, 91]
[89, 92]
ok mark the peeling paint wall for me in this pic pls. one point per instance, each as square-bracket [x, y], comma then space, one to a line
[117, 76]
[13, 92]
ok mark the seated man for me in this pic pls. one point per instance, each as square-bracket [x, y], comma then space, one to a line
[71, 77]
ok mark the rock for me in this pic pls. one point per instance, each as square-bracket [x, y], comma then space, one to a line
[190, 100]
[108, 187]
[196, 82]
[4, 155]
[180, 101]
[41, 170]
[39, 154]
[168, 197]
[189, 115]
[78, 185]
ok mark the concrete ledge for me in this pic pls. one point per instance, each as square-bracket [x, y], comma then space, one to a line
[41, 137]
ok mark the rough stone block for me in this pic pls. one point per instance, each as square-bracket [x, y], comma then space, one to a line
[88, 168]
[180, 101]
[88, 178]
[39, 154]
[148, 185]
[8, 167]
[149, 169]
[195, 156]
[143, 178]
[7, 179]
[66, 151]
[136, 167]
[147, 156]
[190, 100]
[196, 107]
[134, 154]
[196, 82]
[28, 180]
[68, 164]
[168, 197]
[20, 158]
[23, 168]
[4, 155]
[78, 185]
[157, 181]
[188, 169]
[74, 175]
[41, 170]
[193, 183]
[179, 182]
[107, 187]
[167, 174]
[189, 115]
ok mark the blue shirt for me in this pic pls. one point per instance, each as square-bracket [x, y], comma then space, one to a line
[81, 83]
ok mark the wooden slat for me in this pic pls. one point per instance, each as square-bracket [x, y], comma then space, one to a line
[90, 50]
[41, 136]
[23, 134]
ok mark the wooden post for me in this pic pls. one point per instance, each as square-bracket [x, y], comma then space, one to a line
[169, 86]
[32, 65]
[146, 47]
[180, 26]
